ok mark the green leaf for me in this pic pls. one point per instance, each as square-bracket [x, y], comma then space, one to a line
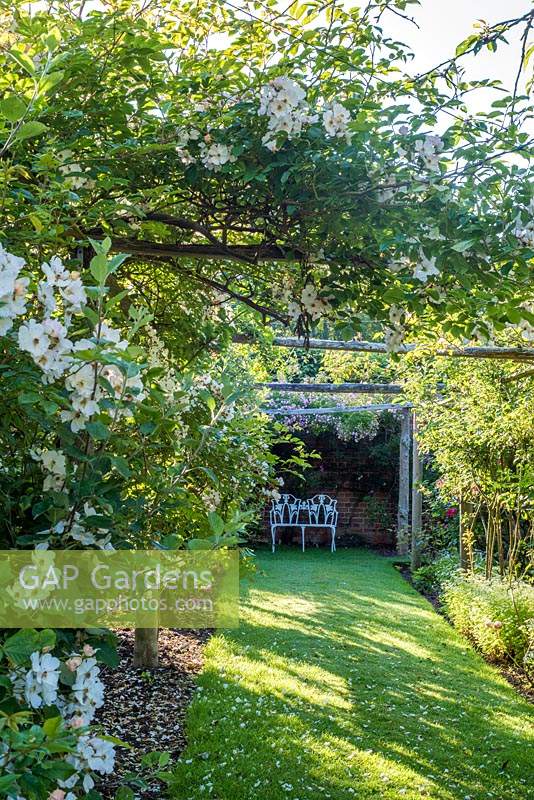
[91, 315]
[7, 781]
[121, 465]
[99, 268]
[466, 44]
[31, 784]
[58, 770]
[12, 108]
[52, 39]
[101, 248]
[116, 299]
[98, 521]
[28, 398]
[47, 638]
[216, 523]
[23, 643]
[169, 542]
[124, 793]
[461, 247]
[49, 407]
[48, 82]
[107, 654]
[118, 742]
[211, 475]
[58, 746]
[513, 315]
[66, 676]
[23, 61]
[98, 431]
[199, 544]
[52, 726]
[30, 129]
[116, 261]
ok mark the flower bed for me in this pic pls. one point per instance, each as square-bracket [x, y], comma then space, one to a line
[497, 615]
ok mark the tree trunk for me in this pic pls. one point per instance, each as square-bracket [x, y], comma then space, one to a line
[146, 648]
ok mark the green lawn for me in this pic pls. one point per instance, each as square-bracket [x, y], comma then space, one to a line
[343, 683]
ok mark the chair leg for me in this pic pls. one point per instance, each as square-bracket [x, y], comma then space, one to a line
[333, 547]
[273, 537]
[303, 545]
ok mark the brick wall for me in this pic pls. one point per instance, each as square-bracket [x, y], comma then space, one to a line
[363, 476]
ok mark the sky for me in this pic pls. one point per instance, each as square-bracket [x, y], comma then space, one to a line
[445, 23]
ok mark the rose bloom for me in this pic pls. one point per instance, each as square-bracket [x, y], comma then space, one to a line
[73, 663]
[451, 512]
[88, 650]
[57, 794]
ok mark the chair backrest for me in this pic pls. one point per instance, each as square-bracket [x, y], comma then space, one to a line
[319, 510]
[285, 511]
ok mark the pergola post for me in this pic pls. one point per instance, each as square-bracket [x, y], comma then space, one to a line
[417, 499]
[403, 513]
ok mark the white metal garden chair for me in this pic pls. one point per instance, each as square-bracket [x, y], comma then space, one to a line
[284, 514]
[319, 512]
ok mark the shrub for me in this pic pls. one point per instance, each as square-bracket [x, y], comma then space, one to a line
[432, 577]
[99, 450]
[424, 579]
[495, 614]
[50, 690]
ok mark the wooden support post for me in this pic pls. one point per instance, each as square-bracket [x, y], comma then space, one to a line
[403, 514]
[417, 500]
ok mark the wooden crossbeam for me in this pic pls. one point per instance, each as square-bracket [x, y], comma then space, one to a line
[334, 388]
[512, 353]
[307, 412]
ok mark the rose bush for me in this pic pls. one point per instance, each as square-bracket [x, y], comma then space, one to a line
[105, 445]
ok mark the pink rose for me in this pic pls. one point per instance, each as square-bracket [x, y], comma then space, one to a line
[88, 650]
[76, 722]
[57, 794]
[73, 663]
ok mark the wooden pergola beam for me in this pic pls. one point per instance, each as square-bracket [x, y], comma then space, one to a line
[308, 412]
[334, 388]
[513, 353]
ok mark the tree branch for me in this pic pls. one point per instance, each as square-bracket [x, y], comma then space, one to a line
[244, 253]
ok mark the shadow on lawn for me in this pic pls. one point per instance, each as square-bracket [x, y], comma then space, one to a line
[344, 658]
